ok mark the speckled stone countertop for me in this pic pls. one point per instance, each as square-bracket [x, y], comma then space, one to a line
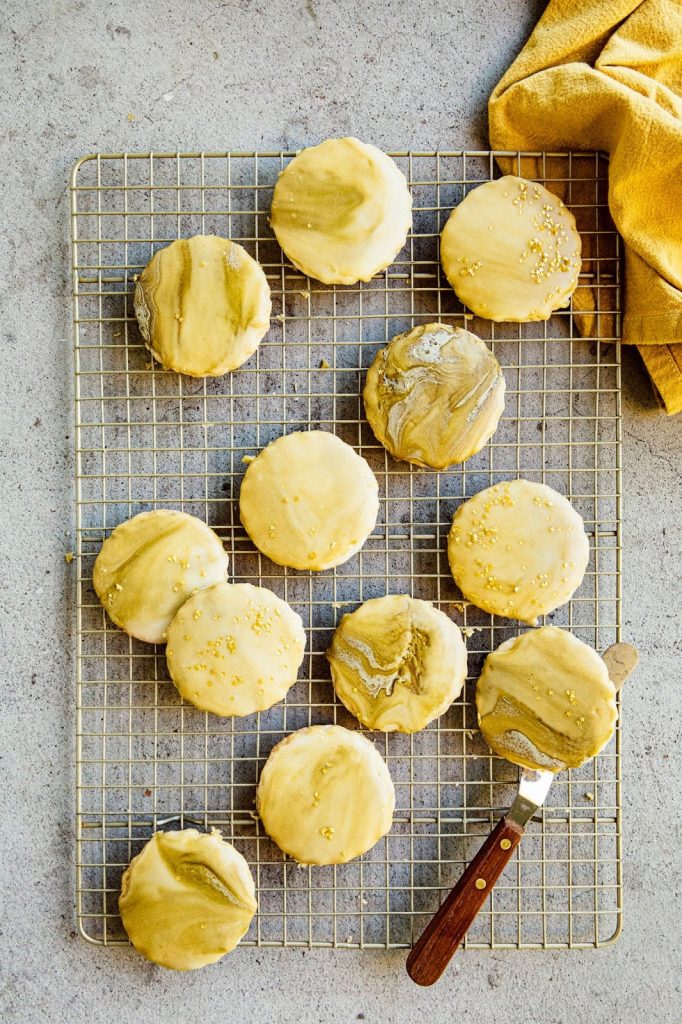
[78, 76]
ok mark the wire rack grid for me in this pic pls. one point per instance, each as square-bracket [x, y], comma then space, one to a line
[147, 438]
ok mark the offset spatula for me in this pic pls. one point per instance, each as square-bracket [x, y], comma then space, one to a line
[445, 932]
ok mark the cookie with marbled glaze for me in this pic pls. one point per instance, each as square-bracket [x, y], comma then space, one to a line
[341, 211]
[434, 395]
[150, 564]
[203, 305]
[397, 663]
[545, 700]
[187, 899]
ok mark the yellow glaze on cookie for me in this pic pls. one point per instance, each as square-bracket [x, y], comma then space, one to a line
[203, 305]
[545, 700]
[309, 500]
[397, 663]
[234, 649]
[518, 549]
[325, 795]
[341, 211]
[149, 566]
[434, 395]
[187, 899]
[511, 251]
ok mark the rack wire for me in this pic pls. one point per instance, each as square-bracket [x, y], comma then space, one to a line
[147, 438]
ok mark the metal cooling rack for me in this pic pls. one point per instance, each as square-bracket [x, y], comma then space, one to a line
[147, 438]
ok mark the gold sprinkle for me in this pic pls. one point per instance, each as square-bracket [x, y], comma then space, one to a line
[197, 615]
[327, 831]
[580, 720]
[572, 699]
[326, 766]
[118, 586]
[324, 365]
[589, 796]
[550, 692]
[68, 557]
[231, 644]
[569, 714]
[248, 459]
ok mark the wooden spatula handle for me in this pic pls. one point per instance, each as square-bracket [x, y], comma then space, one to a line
[444, 933]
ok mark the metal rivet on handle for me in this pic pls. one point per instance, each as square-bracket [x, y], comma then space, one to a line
[505, 844]
[480, 883]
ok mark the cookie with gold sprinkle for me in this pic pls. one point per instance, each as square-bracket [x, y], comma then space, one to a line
[518, 549]
[325, 795]
[234, 649]
[511, 251]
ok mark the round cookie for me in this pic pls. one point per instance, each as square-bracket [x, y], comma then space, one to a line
[511, 251]
[234, 649]
[341, 211]
[203, 305]
[397, 663]
[434, 395]
[325, 795]
[518, 549]
[186, 899]
[149, 566]
[309, 500]
[545, 700]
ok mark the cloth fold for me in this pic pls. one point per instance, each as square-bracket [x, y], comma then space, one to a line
[607, 75]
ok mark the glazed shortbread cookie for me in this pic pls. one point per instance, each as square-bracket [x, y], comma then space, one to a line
[187, 899]
[234, 649]
[511, 251]
[341, 211]
[203, 305]
[325, 795]
[309, 500]
[434, 395]
[518, 549]
[545, 700]
[149, 566]
[397, 663]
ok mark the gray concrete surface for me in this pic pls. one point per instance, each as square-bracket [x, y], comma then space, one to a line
[243, 74]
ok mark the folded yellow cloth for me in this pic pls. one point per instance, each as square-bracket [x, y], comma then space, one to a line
[607, 74]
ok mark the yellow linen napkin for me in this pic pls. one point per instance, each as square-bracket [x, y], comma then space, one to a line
[607, 74]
